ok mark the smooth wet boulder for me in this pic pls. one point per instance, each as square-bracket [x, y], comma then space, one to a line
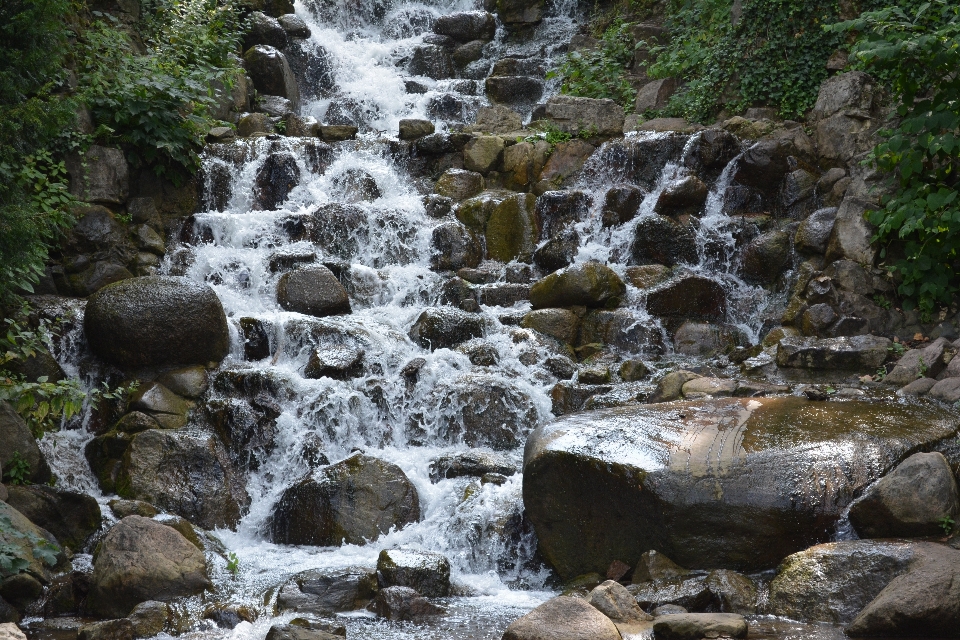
[466, 26]
[511, 230]
[158, 403]
[563, 618]
[610, 484]
[313, 291]
[140, 560]
[149, 618]
[340, 362]
[402, 604]
[70, 516]
[814, 232]
[832, 582]
[765, 257]
[186, 473]
[856, 353]
[156, 320]
[473, 463]
[663, 240]
[352, 501]
[683, 196]
[693, 626]
[276, 178]
[445, 328]
[271, 73]
[689, 591]
[923, 602]
[18, 441]
[733, 592]
[412, 128]
[561, 324]
[425, 571]
[264, 29]
[910, 501]
[459, 184]
[483, 153]
[764, 165]
[690, 297]
[328, 591]
[588, 284]
[299, 632]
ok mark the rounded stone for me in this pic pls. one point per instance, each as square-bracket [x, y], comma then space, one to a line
[155, 321]
[313, 291]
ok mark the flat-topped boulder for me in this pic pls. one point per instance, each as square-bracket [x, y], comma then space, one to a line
[679, 477]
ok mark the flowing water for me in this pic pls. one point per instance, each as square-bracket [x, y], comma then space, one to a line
[383, 257]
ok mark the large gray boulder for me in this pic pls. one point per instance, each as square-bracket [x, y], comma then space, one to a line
[851, 236]
[186, 473]
[352, 501]
[686, 472]
[155, 321]
[328, 591]
[563, 618]
[693, 626]
[140, 560]
[929, 362]
[923, 602]
[314, 291]
[271, 73]
[588, 284]
[614, 601]
[19, 442]
[910, 501]
[70, 516]
[467, 26]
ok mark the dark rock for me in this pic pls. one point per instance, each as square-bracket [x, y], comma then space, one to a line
[167, 408]
[123, 508]
[468, 53]
[910, 501]
[667, 609]
[633, 370]
[583, 471]
[327, 591]
[296, 632]
[263, 29]
[149, 618]
[437, 206]
[426, 572]
[402, 604]
[276, 178]
[662, 240]
[256, 340]
[411, 129]
[431, 61]
[816, 320]
[557, 211]
[100, 175]
[18, 441]
[614, 601]
[514, 90]
[764, 165]
[470, 463]
[929, 361]
[155, 321]
[563, 617]
[294, 25]
[353, 501]
[121, 629]
[655, 95]
[70, 516]
[558, 252]
[340, 362]
[689, 297]
[620, 204]
[228, 616]
[683, 196]
[504, 294]
[41, 364]
[861, 353]
[454, 247]
[732, 592]
[445, 328]
[338, 132]
[561, 324]
[588, 284]
[713, 149]
[690, 592]
[467, 26]
[356, 185]
[271, 73]
[693, 626]
[313, 291]
[459, 184]
[765, 258]
[141, 560]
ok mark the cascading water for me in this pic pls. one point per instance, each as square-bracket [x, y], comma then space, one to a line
[358, 209]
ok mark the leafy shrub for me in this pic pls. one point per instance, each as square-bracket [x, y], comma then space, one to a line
[919, 54]
[601, 72]
[158, 103]
[773, 53]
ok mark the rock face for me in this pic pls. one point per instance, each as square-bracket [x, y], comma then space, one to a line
[909, 501]
[141, 560]
[17, 439]
[686, 481]
[71, 517]
[563, 618]
[155, 321]
[314, 291]
[602, 118]
[353, 501]
[589, 284]
[102, 175]
[859, 353]
[428, 573]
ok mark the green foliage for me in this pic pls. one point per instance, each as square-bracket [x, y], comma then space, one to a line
[897, 349]
[601, 72]
[33, 116]
[12, 560]
[881, 302]
[880, 374]
[158, 103]
[547, 131]
[774, 55]
[923, 368]
[919, 53]
[946, 523]
[18, 470]
[233, 563]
